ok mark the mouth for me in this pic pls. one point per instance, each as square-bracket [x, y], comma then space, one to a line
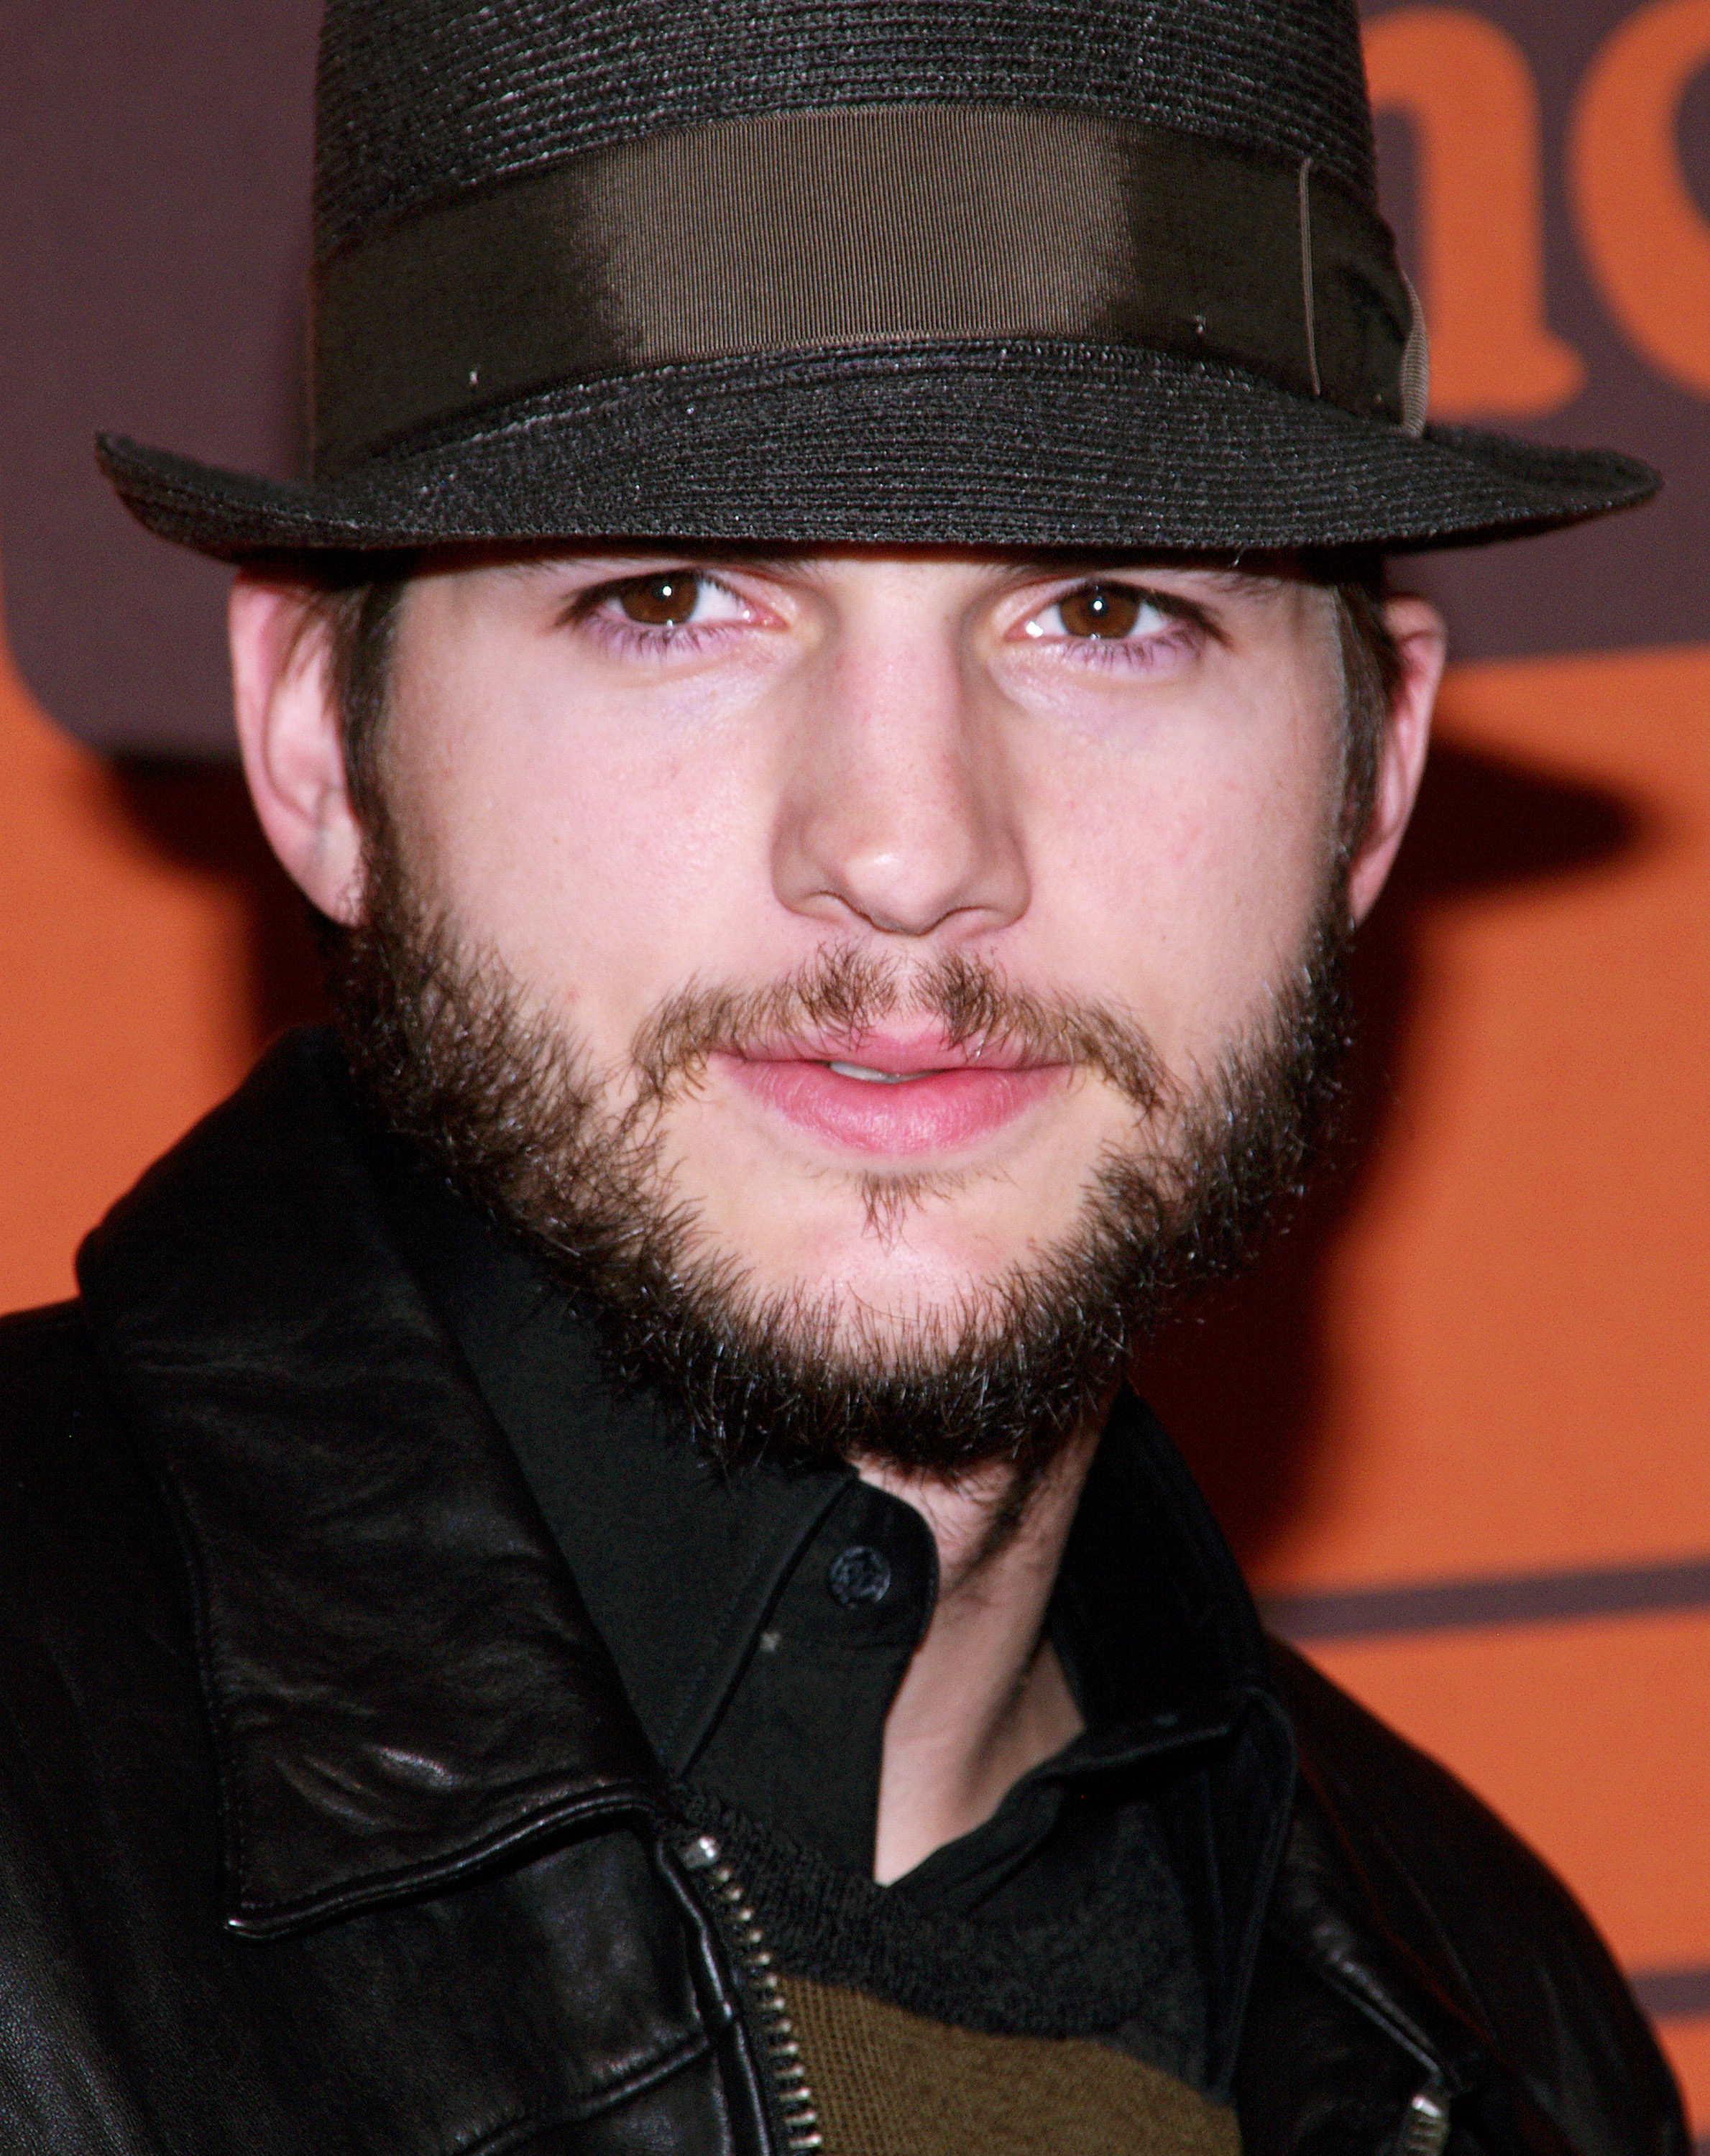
[893, 1095]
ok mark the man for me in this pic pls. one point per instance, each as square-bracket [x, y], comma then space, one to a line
[582, 1575]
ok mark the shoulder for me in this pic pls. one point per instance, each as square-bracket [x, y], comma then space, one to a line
[54, 1407]
[1434, 1860]
[54, 1402]
[82, 1525]
[1402, 1888]
[105, 1772]
[46, 1360]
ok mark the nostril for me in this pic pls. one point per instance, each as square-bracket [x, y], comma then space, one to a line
[909, 890]
[898, 810]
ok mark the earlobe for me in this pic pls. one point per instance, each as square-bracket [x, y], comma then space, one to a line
[292, 737]
[1421, 642]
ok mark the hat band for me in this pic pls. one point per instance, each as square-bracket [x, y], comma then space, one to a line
[864, 227]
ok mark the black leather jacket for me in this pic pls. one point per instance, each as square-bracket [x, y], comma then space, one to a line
[325, 1824]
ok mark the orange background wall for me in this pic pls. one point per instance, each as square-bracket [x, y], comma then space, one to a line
[1511, 1297]
[1481, 1357]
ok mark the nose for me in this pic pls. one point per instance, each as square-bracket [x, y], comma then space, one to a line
[898, 806]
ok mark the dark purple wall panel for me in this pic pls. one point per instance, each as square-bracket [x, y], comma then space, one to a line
[154, 176]
[154, 190]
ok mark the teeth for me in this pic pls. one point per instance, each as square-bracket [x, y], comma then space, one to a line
[874, 1077]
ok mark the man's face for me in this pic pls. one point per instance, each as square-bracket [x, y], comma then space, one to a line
[878, 981]
[645, 786]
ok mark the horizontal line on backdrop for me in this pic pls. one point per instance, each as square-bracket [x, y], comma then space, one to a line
[1524, 1598]
[1672, 1995]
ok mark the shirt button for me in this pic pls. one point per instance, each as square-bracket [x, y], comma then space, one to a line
[859, 1575]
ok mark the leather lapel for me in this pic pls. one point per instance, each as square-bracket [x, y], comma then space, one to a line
[1349, 1906]
[401, 1679]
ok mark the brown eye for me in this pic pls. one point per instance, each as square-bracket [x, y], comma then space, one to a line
[1101, 610]
[665, 602]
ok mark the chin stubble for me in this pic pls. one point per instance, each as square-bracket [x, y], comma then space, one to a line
[453, 1062]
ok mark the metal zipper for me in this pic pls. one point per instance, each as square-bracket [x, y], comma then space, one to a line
[796, 2108]
[1426, 2128]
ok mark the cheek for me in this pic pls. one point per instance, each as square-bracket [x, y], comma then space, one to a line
[1193, 876]
[600, 856]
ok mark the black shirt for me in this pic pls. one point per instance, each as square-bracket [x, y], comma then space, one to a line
[762, 1623]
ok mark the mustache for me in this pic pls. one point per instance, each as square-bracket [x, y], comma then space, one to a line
[847, 992]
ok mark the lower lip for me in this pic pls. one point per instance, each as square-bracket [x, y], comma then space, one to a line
[937, 1113]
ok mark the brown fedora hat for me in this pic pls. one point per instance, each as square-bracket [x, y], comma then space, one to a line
[1037, 273]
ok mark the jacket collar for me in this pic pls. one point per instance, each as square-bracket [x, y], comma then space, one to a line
[400, 1679]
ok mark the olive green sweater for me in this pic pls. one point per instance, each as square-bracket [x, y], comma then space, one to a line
[886, 2083]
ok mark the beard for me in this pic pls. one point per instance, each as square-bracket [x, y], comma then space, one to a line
[453, 1061]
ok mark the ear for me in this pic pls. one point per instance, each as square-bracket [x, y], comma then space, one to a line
[1422, 642]
[291, 736]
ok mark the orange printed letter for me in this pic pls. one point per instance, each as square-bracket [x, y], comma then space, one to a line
[1465, 87]
[1644, 236]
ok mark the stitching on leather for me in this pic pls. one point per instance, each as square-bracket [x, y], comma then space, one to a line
[1414, 2043]
[233, 1791]
[353, 1890]
[1404, 1873]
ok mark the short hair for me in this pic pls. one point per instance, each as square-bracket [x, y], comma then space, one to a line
[1371, 674]
[357, 613]
[357, 607]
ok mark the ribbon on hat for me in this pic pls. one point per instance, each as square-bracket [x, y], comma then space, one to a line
[859, 228]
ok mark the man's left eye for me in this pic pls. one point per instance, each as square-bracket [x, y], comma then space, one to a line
[1108, 613]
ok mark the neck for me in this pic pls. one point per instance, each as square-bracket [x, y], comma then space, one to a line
[984, 1700]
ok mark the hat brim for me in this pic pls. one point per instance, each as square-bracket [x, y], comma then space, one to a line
[1036, 445]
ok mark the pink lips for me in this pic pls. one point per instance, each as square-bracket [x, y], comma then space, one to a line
[951, 1103]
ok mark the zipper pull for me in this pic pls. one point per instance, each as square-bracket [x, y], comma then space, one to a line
[1425, 2131]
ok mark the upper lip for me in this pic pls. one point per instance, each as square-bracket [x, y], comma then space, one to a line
[882, 1049]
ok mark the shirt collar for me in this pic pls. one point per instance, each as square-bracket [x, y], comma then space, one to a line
[677, 1562]
[680, 1562]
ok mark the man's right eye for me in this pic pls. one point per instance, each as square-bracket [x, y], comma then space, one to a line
[662, 602]
[650, 613]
